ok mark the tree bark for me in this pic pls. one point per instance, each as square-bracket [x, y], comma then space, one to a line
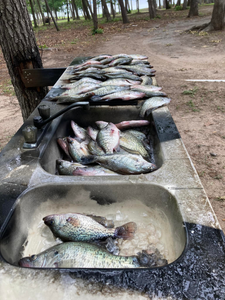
[123, 12]
[218, 15]
[72, 11]
[106, 11]
[193, 8]
[160, 4]
[112, 9]
[184, 4]
[20, 51]
[151, 9]
[85, 10]
[137, 4]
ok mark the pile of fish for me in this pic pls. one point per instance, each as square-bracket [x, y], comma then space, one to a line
[82, 236]
[108, 77]
[115, 148]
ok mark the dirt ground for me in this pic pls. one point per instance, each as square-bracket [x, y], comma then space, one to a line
[198, 108]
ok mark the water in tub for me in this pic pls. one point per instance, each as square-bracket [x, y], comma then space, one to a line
[17, 283]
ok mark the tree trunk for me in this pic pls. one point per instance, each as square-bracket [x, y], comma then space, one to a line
[106, 11]
[189, 3]
[85, 9]
[160, 4]
[48, 9]
[89, 7]
[20, 51]
[123, 11]
[112, 9]
[72, 11]
[193, 8]
[167, 4]
[95, 16]
[137, 4]
[218, 15]
[127, 5]
[185, 4]
[75, 8]
[178, 3]
[41, 12]
[151, 9]
[32, 10]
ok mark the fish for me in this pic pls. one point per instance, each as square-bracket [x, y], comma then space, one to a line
[132, 144]
[78, 255]
[139, 62]
[92, 75]
[108, 138]
[138, 134]
[123, 75]
[101, 124]
[92, 132]
[138, 56]
[145, 88]
[103, 221]
[62, 142]
[109, 89]
[85, 80]
[146, 80]
[124, 95]
[120, 82]
[132, 123]
[93, 171]
[121, 163]
[101, 57]
[107, 60]
[77, 227]
[116, 56]
[114, 70]
[67, 168]
[138, 69]
[79, 131]
[77, 150]
[121, 61]
[153, 103]
[73, 99]
[95, 149]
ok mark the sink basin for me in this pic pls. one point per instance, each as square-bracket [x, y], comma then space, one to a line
[153, 208]
[87, 118]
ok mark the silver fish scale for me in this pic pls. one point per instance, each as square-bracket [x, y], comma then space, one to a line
[108, 138]
[153, 103]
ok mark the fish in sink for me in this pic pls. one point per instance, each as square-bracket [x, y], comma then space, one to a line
[84, 255]
[81, 228]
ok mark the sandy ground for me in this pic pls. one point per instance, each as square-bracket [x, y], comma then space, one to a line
[198, 108]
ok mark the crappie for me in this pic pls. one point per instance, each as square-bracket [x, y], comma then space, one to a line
[109, 89]
[101, 57]
[77, 150]
[78, 255]
[121, 61]
[62, 142]
[124, 95]
[92, 132]
[138, 134]
[124, 75]
[138, 69]
[93, 171]
[153, 103]
[146, 80]
[95, 149]
[79, 82]
[123, 164]
[79, 131]
[81, 228]
[120, 82]
[145, 88]
[73, 99]
[132, 144]
[67, 168]
[108, 138]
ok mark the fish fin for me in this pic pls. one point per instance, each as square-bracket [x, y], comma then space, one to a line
[73, 221]
[103, 221]
[126, 231]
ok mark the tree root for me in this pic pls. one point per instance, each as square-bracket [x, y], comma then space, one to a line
[203, 27]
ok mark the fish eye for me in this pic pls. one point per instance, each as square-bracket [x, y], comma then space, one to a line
[56, 252]
[33, 257]
[52, 222]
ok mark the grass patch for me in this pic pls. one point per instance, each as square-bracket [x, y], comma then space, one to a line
[190, 92]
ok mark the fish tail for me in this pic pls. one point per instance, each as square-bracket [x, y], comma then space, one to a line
[126, 231]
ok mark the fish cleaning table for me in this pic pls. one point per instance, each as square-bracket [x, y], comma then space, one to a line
[28, 182]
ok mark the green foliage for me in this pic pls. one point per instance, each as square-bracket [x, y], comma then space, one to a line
[97, 31]
[42, 46]
[178, 7]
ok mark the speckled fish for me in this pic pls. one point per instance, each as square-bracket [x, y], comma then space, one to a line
[132, 123]
[80, 89]
[146, 80]
[123, 75]
[120, 82]
[153, 103]
[85, 80]
[101, 57]
[94, 148]
[139, 62]
[124, 95]
[62, 142]
[147, 89]
[138, 69]
[121, 61]
[132, 144]
[93, 171]
[109, 89]
[78, 255]
[101, 124]
[108, 138]
[103, 221]
[81, 228]
[73, 99]
[114, 70]
[138, 134]
[65, 167]
[92, 132]
[79, 131]
[122, 164]
[138, 56]
[77, 150]
[92, 75]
